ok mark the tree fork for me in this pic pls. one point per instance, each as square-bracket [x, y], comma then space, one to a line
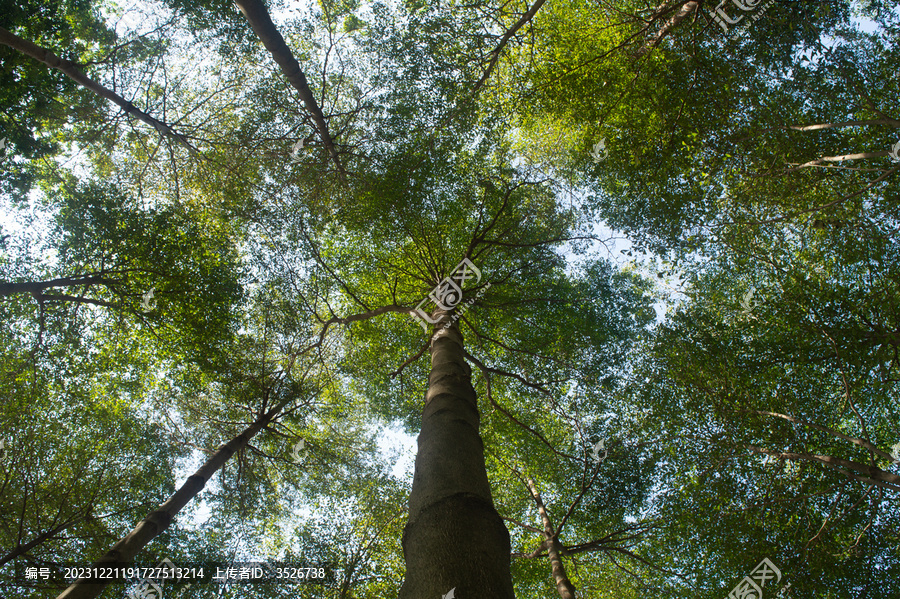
[454, 538]
[159, 520]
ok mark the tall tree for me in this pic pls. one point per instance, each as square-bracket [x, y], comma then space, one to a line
[450, 506]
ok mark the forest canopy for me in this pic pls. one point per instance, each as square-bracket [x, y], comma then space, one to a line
[351, 299]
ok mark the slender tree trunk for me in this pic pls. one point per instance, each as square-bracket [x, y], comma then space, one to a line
[68, 68]
[564, 586]
[128, 546]
[261, 22]
[454, 539]
[686, 9]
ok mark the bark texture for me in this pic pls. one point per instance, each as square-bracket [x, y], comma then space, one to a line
[147, 529]
[454, 539]
[564, 586]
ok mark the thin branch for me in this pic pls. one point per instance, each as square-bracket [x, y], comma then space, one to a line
[820, 126]
[495, 54]
[872, 474]
[860, 442]
[527, 527]
[68, 68]
[486, 372]
[845, 157]
[829, 204]
[411, 359]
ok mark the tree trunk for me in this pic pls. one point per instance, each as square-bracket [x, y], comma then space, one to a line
[564, 586]
[686, 9]
[261, 22]
[454, 538]
[128, 546]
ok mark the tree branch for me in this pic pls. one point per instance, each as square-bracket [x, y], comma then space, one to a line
[824, 159]
[495, 54]
[871, 473]
[860, 442]
[157, 521]
[68, 68]
[37, 287]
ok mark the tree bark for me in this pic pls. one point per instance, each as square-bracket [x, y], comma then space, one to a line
[147, 529]
[686, 9]
[256, 14]
[454, 538]
[564, 586]
[68, 68]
